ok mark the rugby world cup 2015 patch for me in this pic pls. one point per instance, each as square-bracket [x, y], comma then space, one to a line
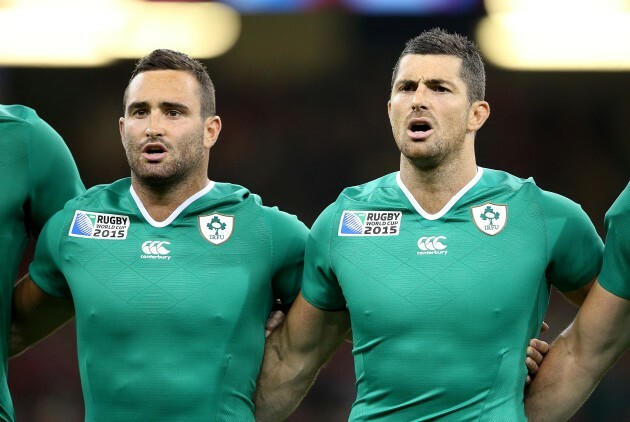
[370, 223]
[96, 225]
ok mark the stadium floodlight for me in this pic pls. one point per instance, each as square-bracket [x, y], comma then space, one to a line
[81, 33]
[554, 6]
[580, 35]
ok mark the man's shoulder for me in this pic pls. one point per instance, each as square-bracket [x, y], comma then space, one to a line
[16, 113]
[100, 196]
[369, 191]
[233, 193]
[377, 195]
[16, 123]
[525, 188]
[621, 206]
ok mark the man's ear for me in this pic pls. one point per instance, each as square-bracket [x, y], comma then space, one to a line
[479, 113]
[212, 128]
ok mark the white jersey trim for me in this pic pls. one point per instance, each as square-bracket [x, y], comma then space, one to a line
[175, 213]
[448, 205]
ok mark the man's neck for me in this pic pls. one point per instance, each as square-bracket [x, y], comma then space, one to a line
[160, 201]
[434, 188]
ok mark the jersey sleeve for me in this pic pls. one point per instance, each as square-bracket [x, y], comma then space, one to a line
[575, 248]
[54, 177]
[320, 286]
[288, 240]
[45, 269]
[615, 275]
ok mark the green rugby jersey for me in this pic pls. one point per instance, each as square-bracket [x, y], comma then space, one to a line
[443, 306]
[37, 176]
[615, 275]
[170, 316]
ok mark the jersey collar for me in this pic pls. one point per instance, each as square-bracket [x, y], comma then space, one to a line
[448, 205]
[175, 213]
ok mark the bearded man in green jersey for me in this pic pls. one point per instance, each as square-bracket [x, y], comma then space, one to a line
[37, 176]
[583, 353]
[171, 275]
[442, 269]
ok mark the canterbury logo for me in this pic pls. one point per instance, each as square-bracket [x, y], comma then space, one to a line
[432, 245]
[155, 247]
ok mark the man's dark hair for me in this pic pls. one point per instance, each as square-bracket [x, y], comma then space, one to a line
[163, 59]
[438, 41]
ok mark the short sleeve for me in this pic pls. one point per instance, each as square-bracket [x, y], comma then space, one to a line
[615, 275]
[575, 248]
[320, 286]
[54, 177]
[45, 269]
[288, 241]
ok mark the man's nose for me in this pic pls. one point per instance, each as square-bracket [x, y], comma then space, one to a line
[155, 128]
[419, 101]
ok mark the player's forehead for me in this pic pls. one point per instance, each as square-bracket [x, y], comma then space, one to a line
[423, 67]
[164, 86]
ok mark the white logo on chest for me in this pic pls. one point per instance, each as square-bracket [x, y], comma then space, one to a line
[155, 249]
[432, 245]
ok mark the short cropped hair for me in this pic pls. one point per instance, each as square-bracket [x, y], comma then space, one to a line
[163, 59]
[437, 41]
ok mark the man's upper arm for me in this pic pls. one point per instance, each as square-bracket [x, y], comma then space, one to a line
[602, 328]
[575, 247]
[35, 314]
[53, 173]
[578, 296]
[315, 332]
[288, 242]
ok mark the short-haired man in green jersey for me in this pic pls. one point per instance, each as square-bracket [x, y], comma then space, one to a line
[171, 276]
[442, 269]
[37, 176]
[598, 336]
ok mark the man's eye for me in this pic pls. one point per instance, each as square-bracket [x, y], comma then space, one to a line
[173, 113]
[139, 113]
[441, 89]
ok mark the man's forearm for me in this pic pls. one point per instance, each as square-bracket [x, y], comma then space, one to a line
[283, 382]
[580, 357]
[561, 386]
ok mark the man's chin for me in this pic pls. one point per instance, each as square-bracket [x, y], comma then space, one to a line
[157, 178]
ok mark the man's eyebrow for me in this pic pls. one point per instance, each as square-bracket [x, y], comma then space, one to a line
[431, 81]
[438, 81]
[404, 83]
[136, 105]
[170, 104]
[163, 105]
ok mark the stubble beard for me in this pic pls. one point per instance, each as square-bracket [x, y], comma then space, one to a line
[178, 168]
[435, 152]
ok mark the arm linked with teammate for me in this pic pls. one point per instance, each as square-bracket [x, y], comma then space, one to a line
[35, 315]
[294, 353]
[580, 357]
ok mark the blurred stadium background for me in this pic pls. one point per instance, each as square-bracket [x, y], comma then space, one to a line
[302, 87]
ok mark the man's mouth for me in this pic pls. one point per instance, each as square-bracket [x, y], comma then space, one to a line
[154, 151]
[419, 129]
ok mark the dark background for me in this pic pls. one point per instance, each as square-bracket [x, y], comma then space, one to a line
[303, 103]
